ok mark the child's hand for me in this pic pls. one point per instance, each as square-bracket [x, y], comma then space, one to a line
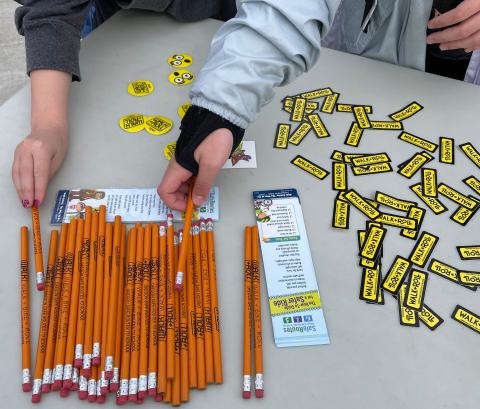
[465, 27]
[36, 160]
[211, 155]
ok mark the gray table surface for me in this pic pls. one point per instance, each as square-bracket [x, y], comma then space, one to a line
[372, 361]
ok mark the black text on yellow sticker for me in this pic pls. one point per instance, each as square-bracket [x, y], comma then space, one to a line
[372, 169]
[416, 213]
[396, 275]
[456, 196]
[317, 93]
[298, 109]
[467, 318]
[393, 202]
[281, 136]
[371, 159]
[349, 108]
[417, 141]
[373, 243]
[363, 261]
[387, 125]
[329, 103]
[473, 183]
[341, 214]
[337, 155]
[447, 152]
[298, 134]
[423, 248]
[415, 293]
[361, 117]
[429, 182]
[354, 135]
[395, 220]
[361, 204]
[430, 318]
[469, 252]
[463, 215]
[369, 285]
[469, 277]
[339, 176]
[310, 167]
[318, 125]
[413, 165]
[444, 270]
[407, 112]
[472, 153]
[407, 316]
[434, 204]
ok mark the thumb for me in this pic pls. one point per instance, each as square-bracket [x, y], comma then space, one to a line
[203, 183]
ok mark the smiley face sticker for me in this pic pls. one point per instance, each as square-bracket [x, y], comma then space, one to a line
[180, 60]
[181, 77]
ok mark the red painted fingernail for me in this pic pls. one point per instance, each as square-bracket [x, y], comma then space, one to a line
[36, 203]
[25, 203]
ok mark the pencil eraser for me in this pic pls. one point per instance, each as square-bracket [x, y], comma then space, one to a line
[87, 372]
[178, 287]
[132, 397]
[122, 399]
[142, 395]
[78, 363]
[259, 393]
[103, 390]
[56, 385]
[152, 392]
[209, 220]
[64, 393]
[27, 387]
[101, 399]
[246, 394]
[139, 401]
[36, 398]
[67, 384]
[40, 286]
[113, 386]
[159, 397]
[96, 361]
[92, 398]
[82, 395]
[108, 375]
[46, 387]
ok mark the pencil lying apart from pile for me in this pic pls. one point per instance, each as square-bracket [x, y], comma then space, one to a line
[111, 320]
[252, 316]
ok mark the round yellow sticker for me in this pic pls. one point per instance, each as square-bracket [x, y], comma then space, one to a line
[180, 60]
[180, 77]
[182, 109]
[132, 122]
[158, 125]
[169, 150]
[140, 88]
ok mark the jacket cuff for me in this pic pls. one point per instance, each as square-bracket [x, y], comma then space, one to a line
[53, 45]
[221, 111]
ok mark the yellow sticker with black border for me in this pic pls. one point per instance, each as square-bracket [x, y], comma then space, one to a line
[429, 182]
[361, 117]
[423, 248]
[339, 176]
[281, 136]
[337, 155]
[349, 108]
[348, 157]
[302, 130]
[372, 169]
[317, 93]
[298, 110]
[415, 213]
[467, 318]
[430, 318]
[472, 153]
[364, 262]
[310, 167]
[341, 214]
[373, 243]
[415, 292]
[463, 215]
[434, 204]
[406, 112]
[371, 159]
[387, 125]
[361, 204]
[417, 141]
[455, 196]
[295, 303]
[397, 221]
[413, 165]
[318, 125]
[369, 285]
[473, 183]
[469, 252]
[407, 316]
[450, 273]
[469, 277]
[396, 275]
[393, 202]
[447, 152]
[329, 103]
[354, 135]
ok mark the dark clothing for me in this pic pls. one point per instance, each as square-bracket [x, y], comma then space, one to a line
[52, 28]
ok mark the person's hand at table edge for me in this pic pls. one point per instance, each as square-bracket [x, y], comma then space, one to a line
[206, 141]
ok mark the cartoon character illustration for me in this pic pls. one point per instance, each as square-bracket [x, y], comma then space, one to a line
[239, 155]
[181, 77]
[85, 194]
[261, 210]
[180, 60]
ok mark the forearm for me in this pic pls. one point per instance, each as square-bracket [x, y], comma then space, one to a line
[50, 90]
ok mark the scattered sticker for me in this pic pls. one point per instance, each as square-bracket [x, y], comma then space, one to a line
[158, 125]
[132, 122]
[182, 109]
[180, 60]
[181, 77]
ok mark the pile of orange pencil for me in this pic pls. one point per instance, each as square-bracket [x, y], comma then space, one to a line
[111, 320]
[252, 316]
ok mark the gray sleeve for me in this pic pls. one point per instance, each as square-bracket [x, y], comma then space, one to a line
[268, 44]
[52, 33]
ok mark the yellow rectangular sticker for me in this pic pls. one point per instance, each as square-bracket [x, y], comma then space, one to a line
[295, 303]
[469, 277]
[393, 202]
[455, 196]
[310, 167]
[387, 125]
[415, 292]
[463, 215]
[434, 204]
[337, 155]
[473, 183]
[444, 270]
[467, 318]
[298, 110]
[339, 176]
[361, 204]
[316, 93]
[364, 262]
[309, 106]
[469, 252]
[329, 103]
[397, 221]
[429, 182]
[349, 108]
[373, 243]
[472, 153]
[361, 117]
[430, 318]
[447, 152]
[341, 214]
[371, 159]
[416, 213]
[348, 157]
[417, 141]
[318, 125]
[371, 169]
[410, 110]
[370, 284]
[413, 165]
[423, 248]
[281, 136]
[408, 316]
[302, 130]
[354, 135]
[396, 275]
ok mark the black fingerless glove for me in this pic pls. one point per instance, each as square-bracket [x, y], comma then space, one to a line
[196, 125]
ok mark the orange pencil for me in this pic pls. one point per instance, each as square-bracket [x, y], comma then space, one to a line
[198, 299]
[72, 317]
[247, 314]
[44, 319]
[170, 299]
[127, 316]
[37, 249]
[176, 387]
[257, 316]
[136, 318]
[192, 330]
[64, 310]
[25, 309]
[153, 333]
[115, 382]
[162, 312]
[145, 321]
[207, 312]
[82, 295]
[182, 259]
[92, 273]
[217, 349]
[82, 385]
[54, 310]
[92, 385]
[107, 269]
[99, 278]
[113, 298]
[183, 334]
